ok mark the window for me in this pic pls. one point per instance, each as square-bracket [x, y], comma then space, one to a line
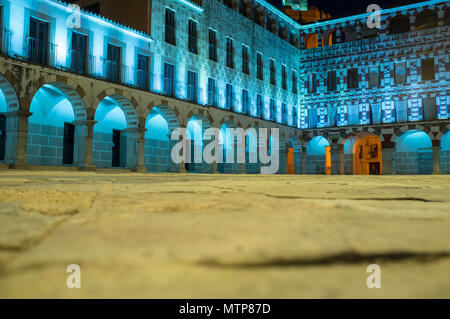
[212, 45]
[192, 37]
[428, 69]
[294, 82]
[283, 113]
[211, 91]
[400, 72]
[273, 110]
[272, 72]
[78, 53]
[245, 101]
[142, 80]
[312, 83]
[38, 42]
[170, 27]
[352, 78]
[259, 105]
[331, 81]
[169, 88]
[230, 57]
[192, 86]
[283, 77]
[245, 60]
[294, 117]
[374, 76]
[113, 63]
[259, 66]
[229, 97]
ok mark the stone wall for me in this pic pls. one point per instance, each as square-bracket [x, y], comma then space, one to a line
[45, 145]
[315, 164]
[444, 157]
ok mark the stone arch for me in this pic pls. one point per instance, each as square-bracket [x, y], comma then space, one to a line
[413, 153]
[9, 105]
[229, 145]
[160, 123]
[426, 19]
[116, 133]
[311, 41]
[56, 128]
[194, 138]
[362, 153]
[318, 156]
[399, 24]
[294, 156]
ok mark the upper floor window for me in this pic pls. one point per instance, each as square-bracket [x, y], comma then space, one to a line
[400, 72]
[294, 117]
[259, 66]
[374, 76]
[245, 101]
[192, 86]
[273, 110]
[259, 105]
[169, 87]
[230, 53]
[428, 69]
[38, 45]
[283, 113]
[212, 37]
[312, 83]
[192, 37]
[170, 27]
[142, 72]
[245, 60]
[283, 77]
[272, 72]
[229, 97]
[294, 82]
[331, 81]
[211, 91]
[113, 65]
[78, 53]
[352, 78]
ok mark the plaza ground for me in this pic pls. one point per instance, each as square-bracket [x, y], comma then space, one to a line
[223, 236]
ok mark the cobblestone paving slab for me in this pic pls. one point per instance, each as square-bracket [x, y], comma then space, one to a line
[222, 236]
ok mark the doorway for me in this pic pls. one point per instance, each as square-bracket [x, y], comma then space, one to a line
[290, 161]
[116, 148]
[69, 143]
[2, 137]
[374, 169]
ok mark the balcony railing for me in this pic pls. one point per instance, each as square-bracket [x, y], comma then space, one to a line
[40, 52]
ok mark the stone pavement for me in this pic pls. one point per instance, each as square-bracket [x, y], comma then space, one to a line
[223, 236]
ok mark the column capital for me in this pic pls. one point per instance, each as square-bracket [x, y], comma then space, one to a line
[18, 113]
[84, 122]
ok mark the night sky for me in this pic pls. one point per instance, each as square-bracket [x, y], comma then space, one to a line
[341, 8]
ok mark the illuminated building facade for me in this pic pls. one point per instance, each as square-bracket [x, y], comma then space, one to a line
[83, 91]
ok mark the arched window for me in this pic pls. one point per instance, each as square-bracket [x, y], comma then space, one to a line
[426, 19]
[399, 24]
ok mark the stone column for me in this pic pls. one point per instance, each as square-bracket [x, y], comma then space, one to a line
[436, 167]
[388, 161]
[84, 143]
[303, 160]
[140, 167]
[17, 138]
[337, 159]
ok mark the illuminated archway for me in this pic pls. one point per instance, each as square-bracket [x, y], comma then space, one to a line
[53, 133]
[311, 41]
[229, 142]
[160, 124]
[444, 156]
[252, 163]
[413, 153]
[362, 155]
[294, 157]
[318, 156]
[195, 129]
[115, 133]
[8, 124]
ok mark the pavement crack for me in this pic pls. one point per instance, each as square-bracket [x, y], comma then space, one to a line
[346, 258]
